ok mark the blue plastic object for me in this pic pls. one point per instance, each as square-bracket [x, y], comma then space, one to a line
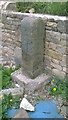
[45, 109]
[11, 112]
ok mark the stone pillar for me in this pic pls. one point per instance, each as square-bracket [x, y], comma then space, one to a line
[32, 34]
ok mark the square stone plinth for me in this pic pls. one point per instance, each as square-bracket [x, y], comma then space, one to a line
[27, 83]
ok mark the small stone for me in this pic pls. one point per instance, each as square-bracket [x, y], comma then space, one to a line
[32, 10]
[17, 85]
[25, 96]
[26, 105]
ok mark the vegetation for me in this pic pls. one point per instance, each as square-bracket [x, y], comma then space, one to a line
[56, 8]
[59, 87]
[55, 88]
[0, 77]
[9, 102]
[0, 108]
[5, 77]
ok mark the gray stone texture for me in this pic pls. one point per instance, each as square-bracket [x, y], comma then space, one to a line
[58, 67]
[55, 61]
[63, 26]
[18, 56]
[28, 83]
[52, 26]
[47, 61]
[61, 49]
[59, 73]
[56, 35]
[52, 45]
[52, 36]
[54, 54]
[32, 34]
[13, 91]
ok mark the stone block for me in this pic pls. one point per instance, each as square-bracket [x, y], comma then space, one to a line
[52, 46]
[63, 36]
[29, 84]
[52, 36]
[59, 73]
[4, 18]
[48, 28]
[7, 50]
[63, 43]
[10, 27]
[32, 34]
[61, 49]
[64, 58]
[51, 24]
[63, 26]
[5, 36]
[18, 56]
[54, 54]
[58, 67]
[13, 91]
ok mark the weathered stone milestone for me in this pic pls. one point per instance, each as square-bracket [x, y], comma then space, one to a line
[31, 38]
[32, 33]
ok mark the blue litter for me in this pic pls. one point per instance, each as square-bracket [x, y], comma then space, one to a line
[11, 112]
[45, 109]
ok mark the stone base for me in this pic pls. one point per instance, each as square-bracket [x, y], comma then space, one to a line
[27, 83]
[13, 91]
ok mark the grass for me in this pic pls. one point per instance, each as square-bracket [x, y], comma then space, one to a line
[6, 82]
[56, 8]
[55, 88]
[59, 87]
[0, 108]
[8, 102]
[5, 77]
